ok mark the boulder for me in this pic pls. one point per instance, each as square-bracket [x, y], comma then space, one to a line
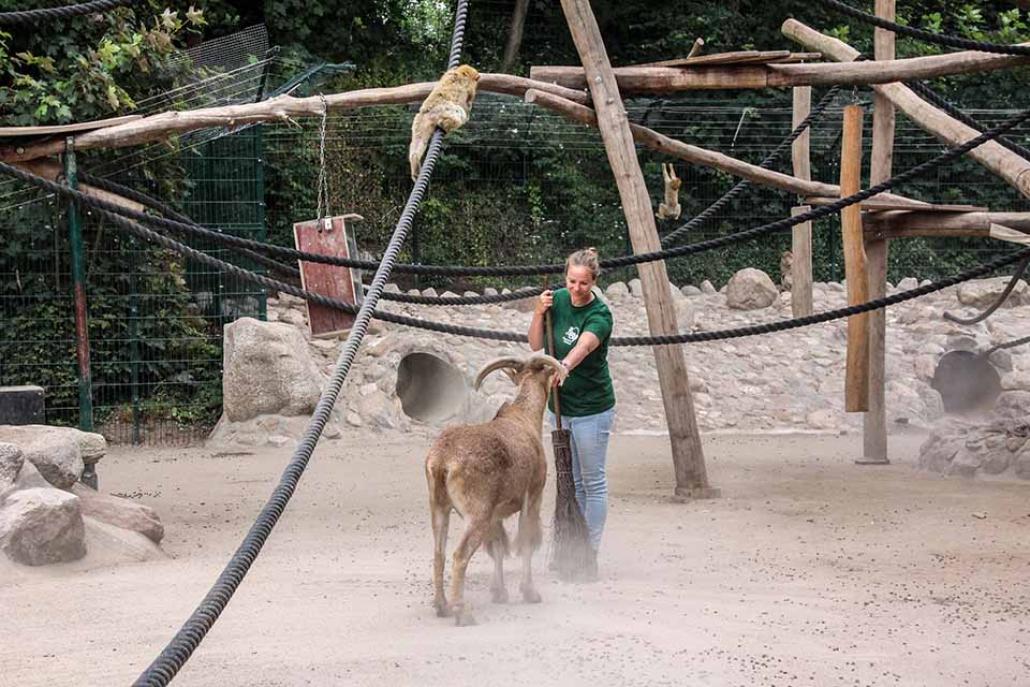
[111, 545]
[983, 292]
[690, 291]
[42, 526]
[268, 368]
[121, 513]
[751, 289]
[636, 288]
[11, 460]
[55, 451]
[617, 290]
[707, 288]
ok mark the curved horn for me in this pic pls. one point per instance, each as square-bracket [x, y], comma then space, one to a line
[496, 364]
[550, 362]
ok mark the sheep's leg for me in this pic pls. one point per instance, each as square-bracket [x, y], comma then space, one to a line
[441, 520]
[498, 549]
[475, 532]
[529, 538]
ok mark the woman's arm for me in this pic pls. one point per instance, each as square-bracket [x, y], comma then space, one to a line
[588, 341]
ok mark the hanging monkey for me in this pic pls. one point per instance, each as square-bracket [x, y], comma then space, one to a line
[670, 209]
[447, 107]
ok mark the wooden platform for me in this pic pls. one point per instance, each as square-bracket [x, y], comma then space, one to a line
[737, 57]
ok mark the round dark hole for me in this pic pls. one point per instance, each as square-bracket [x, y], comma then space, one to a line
[430, 388]
[966, 381]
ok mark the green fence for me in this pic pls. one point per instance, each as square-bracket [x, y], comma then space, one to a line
[155, 320]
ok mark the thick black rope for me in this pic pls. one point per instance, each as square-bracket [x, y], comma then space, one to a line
[814, 116]
[927, 93]
[68, 11]
[459, 330]
[927, 36]
[170, 212]
[181, 647]
[1017, 275]
[623, 261]
[1007, 344]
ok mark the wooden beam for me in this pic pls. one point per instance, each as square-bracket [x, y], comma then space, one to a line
[54, 129]
[801, 234]
[941, 224]
[709, 158]
[518, 23]
[713, 76]
[995, 157]
[880, 204]
[279, 109]
[856, 381]
[874, 422]
[687, 453]
[53, 171]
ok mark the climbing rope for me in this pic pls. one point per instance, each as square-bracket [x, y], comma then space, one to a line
[459, 330]
[1020, 269]
[188, 638]
[66, 12]
[927, 36]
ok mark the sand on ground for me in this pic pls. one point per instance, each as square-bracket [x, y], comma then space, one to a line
[809, 570]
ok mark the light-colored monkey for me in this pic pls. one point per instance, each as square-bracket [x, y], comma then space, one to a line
[787, 270]
[447, 107]
[670, 209]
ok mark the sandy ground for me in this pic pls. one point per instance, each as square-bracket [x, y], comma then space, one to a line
[808, 571]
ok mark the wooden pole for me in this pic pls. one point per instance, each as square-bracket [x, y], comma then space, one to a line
[687, 454]
[992, 155]
[856, 381]
[518, 23]
[801, 235]
[874, 422]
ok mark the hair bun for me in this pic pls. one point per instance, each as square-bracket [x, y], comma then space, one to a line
[591, 249]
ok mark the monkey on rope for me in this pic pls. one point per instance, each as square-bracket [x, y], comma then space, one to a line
[670, 209]
[447, 107]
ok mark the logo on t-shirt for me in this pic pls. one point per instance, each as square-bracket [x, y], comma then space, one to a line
[570, 336]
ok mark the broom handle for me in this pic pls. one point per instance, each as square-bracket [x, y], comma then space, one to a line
[549, 343]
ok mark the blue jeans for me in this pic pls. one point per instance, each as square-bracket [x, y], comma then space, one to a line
[589, 453]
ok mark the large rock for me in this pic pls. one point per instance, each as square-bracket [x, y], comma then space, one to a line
[751, 289]
[42, 526]
[120, 513]
[984, 292]
[11, 460]
[109, 545]
[268, 368]
[55, 451]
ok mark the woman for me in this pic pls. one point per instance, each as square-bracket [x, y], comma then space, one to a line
[582, 328]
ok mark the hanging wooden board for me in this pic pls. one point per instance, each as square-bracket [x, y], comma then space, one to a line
[329, 237]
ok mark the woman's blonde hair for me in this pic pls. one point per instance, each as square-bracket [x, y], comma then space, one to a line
[587, 257]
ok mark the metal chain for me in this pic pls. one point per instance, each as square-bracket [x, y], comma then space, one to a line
[323, 178]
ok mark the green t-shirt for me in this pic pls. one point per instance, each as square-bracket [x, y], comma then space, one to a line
[588, 388]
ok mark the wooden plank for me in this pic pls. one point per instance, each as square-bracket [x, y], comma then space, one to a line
[877, 204]
[334, 281]
[724, 58]
[54, 129]
[687, 453]
[874, 422]
[801, 234]
[856, 380]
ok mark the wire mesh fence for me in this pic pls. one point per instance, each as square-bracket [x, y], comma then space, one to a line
[515, 185]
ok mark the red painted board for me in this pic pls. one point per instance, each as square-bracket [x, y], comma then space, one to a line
[329, 280]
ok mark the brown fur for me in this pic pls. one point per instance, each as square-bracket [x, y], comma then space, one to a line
[447, 106]
[670, 209]
[488, 472]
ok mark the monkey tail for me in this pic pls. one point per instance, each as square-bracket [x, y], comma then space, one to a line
[421, 130]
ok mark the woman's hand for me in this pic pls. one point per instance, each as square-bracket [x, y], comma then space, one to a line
[544, 302]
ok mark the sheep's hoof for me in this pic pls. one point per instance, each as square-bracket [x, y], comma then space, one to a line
[499, 595]
[531, 596]
[443, 610]
[464, 620]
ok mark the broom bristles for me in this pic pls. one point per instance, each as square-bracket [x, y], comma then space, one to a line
[570, 544]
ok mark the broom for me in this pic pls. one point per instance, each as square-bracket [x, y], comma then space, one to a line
[570, 547]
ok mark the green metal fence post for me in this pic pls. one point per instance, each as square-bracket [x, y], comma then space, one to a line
[89, 475]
